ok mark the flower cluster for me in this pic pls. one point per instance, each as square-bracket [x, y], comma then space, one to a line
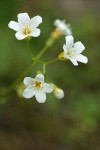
[27, 28]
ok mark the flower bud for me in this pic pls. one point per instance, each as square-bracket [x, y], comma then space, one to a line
[58, 93]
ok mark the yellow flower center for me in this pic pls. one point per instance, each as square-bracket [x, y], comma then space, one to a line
[70, 53]
[26, 31]
[56, 33]
[38, 84]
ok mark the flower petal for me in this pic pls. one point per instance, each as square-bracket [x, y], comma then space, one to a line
[35, 33]
[65, 48]
[82, 58]
[66, 56]
[28, 81]
[35, 21]
[23, 19]
[61, 25]
[74, 61]
[20, 36]
[47, 88]
[28, 92]
[69, 41]
[13, 25]
[68, 30]
[40, 96]
[40, 78]
[78, 47]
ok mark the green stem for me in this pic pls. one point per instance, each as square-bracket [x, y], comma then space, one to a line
[42, 52]
[29, 49]
[44, 69]
[38, 60]
[48, 44]
[51, 61]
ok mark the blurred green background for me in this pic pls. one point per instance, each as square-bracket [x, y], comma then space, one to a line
[72, 123]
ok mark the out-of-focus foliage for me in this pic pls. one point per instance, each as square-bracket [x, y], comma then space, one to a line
[72, 123]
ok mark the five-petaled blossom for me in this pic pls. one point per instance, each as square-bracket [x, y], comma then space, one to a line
[72, 51]
[26, 27]
[36, 87]
[63, 27]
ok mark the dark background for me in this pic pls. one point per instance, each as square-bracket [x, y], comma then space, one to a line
[72, 123]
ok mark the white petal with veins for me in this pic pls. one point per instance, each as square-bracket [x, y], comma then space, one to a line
[81, 58]
[74, 61]
[28, 92]
[78, 47]
[20, 36]
[40, 96]
[40, 78]
[23, 18]
[28, 81]
[35, 33]
[13, 25]
[47, 88]
[69, 41]
[35, 21]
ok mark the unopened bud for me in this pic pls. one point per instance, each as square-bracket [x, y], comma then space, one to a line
[58, 93]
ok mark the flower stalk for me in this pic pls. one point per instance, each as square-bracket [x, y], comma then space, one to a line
[26, 28]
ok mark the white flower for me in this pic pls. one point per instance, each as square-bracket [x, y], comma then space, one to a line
[63, 27]
[26, 27]
[36, 87]
[59, 93]
[72, 51]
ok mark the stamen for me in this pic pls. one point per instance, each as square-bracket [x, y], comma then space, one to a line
[26, 31]
[38, 84]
